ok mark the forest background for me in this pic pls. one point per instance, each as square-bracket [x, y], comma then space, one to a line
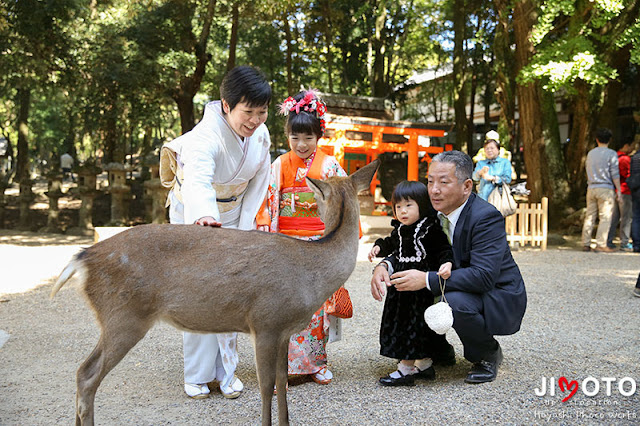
[122, 77]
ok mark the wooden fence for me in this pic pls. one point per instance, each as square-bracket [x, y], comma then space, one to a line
[529, 224]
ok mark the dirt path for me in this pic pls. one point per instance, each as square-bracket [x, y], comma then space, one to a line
[581, 322]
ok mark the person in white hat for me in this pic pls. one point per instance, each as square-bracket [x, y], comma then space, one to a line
[493, 170]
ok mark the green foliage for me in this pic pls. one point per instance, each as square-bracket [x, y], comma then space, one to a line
[575, 40]
[108, 72]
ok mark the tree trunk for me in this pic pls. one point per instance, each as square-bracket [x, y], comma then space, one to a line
[326, 12]
[189, 85]
[471, 128]
[289, 59]
[185, 108]
[506, 79]
[378, 87]
[459, 76]
[233, 41]
[608, 116]
[113, 150]
[23, 174]
[24, 103]
[538, 125]
[555, 185]
[582, 125]
[529, 102]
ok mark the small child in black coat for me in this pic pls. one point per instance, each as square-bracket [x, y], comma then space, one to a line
[416, 242]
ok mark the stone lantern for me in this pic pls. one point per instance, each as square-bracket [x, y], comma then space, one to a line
[54, 192]
[120, 193]
[87, 183]
[155, 195]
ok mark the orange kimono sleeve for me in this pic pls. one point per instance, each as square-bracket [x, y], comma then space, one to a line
[262, 218]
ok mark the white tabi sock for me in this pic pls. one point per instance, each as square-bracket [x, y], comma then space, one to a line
[423, 364]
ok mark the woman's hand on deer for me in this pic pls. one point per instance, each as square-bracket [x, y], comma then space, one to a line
[379, 282]
[411, 280]
[208, 221]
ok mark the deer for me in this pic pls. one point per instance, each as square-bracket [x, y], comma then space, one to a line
[229, 280]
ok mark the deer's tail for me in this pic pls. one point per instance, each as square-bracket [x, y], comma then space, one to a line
[75, 265]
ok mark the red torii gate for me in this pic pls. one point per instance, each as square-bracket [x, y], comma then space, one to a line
[338, 144]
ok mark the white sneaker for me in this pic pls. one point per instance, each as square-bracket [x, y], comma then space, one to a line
[196, 391]
[233, 390]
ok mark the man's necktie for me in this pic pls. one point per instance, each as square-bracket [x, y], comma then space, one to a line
[445, 227]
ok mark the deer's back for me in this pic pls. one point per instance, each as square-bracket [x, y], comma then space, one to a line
[188, 275]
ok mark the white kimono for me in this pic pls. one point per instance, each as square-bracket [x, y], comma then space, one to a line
[215, 164]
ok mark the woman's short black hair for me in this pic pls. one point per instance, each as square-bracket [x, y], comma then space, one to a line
[303, 122]
[493, 141]
[417, 191]
[245, 84]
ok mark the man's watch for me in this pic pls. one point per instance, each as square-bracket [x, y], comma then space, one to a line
[383, 263]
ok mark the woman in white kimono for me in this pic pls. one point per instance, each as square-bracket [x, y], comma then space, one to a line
[218, 173]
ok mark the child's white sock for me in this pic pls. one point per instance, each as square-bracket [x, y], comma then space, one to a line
[404, 369]
[423, 364]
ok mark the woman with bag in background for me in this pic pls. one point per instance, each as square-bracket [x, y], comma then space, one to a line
[293, 211]
[493, 171]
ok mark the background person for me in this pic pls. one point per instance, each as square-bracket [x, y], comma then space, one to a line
[66, 164]
[222, 174]
[622, 209]
[493, 170]
[485, 291]
[603, 176]
[633, 182]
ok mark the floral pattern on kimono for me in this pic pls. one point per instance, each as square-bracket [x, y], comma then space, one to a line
[289, 197]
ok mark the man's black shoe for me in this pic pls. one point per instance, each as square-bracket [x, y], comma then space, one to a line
[485, 371]
[426, 374]
[445, 358]
[408, 380]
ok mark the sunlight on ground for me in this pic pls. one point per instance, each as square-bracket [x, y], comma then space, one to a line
[27, 267]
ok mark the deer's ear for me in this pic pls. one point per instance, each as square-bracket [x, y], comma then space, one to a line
[361, 178]
[320, 188]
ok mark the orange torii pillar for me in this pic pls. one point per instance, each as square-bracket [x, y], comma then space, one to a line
[412, 163]
[375, 181]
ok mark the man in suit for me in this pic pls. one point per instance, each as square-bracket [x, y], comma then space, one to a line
[485, 291]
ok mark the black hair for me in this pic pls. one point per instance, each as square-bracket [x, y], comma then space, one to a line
[245, 84]
[463, 163]
[417, 191]
[603, 135]
[488, 141]
[303, 122]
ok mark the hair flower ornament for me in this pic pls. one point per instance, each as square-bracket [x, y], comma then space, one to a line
[288, 105]
[310, 103]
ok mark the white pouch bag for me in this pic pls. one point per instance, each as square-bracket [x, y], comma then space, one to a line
[439, 316]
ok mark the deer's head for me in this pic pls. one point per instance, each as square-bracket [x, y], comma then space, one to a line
[331, 193]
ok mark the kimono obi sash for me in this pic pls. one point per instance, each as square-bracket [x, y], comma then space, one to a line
[299, 213]
[228, 197]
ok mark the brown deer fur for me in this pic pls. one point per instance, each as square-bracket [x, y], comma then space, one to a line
[216, 280]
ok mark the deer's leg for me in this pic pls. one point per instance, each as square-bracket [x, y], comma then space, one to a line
[281, 381]
[266, 352]
[116, 340]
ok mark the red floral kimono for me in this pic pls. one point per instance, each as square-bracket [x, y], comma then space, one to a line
[293, 210]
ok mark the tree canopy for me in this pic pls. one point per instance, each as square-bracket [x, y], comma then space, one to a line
[122, 77]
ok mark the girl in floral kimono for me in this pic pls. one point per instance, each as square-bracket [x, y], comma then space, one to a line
[294, 212]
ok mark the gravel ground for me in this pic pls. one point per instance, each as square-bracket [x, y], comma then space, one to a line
[582, 323]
